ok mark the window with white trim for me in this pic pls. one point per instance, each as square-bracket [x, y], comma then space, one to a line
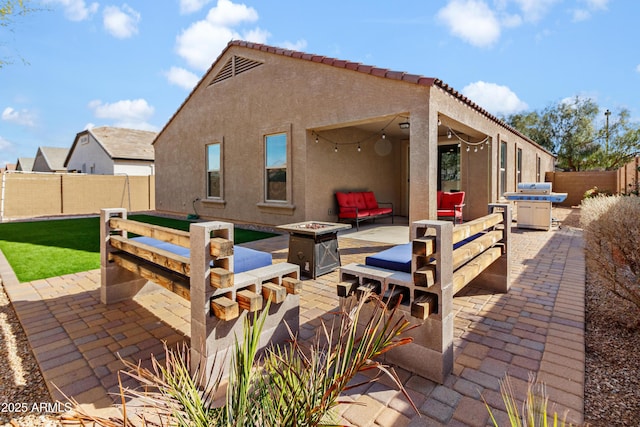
[214, 171]
[518, 165]
[503, 167]
[275, 147]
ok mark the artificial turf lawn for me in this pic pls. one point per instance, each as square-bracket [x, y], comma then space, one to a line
[41, 249]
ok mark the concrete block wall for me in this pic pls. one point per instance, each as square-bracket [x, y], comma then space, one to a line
[211, 337]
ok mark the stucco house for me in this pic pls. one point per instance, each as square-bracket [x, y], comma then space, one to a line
[50, 159]
[269, 135]
[112, 151]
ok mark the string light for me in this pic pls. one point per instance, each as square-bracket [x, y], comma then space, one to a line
[468, 144]
[357, 143]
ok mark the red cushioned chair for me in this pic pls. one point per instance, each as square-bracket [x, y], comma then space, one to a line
[450, 205]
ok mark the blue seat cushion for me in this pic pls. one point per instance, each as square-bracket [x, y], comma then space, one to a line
[398, 258]
[244, 259]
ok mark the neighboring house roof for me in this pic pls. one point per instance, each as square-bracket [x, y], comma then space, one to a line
[25, 164]
[8, 167]
[355, 66]
[54, 157]
[121, 143]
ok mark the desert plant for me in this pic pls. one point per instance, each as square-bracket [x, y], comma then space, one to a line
[534, 411]
[595, 192]
[612, 235]
[288, 386]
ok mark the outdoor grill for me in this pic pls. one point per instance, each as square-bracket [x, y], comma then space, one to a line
[534, 203]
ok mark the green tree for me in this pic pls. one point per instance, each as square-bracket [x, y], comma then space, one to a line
[532, 125]
[569, 129]
[10, 10]
[619, 142]
[573, 132]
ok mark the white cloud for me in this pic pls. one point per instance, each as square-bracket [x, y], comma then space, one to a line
[4, 144]
[534, 10]
[76, 10]
[121, 22]
[126, 113]
[181, 77]
[299, 45]
[190, 6]
[494, 98]
[638, 68]
[227, 13]
[590, 6]
[22, 117]
[200, 44]
[472, 21]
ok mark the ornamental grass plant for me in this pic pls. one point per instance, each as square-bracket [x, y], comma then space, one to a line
[290, 385]
[533, 412]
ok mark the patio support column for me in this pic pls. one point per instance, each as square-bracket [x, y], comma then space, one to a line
[423, 164]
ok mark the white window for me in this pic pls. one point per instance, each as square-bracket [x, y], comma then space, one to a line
[276, 167]
[214, 171]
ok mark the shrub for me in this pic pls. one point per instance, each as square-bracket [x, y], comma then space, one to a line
[612, 234]
[595, 192]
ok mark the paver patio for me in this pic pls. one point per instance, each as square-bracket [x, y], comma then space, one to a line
[537, 327]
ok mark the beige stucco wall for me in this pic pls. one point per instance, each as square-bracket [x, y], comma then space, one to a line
[575, 184]
[29, 195]
[302, 98]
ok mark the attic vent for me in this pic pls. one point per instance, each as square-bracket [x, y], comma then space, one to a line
[233, 67]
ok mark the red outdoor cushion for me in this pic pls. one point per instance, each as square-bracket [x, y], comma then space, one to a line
[380, 211]
[439, 199]
[352, 213]
[450, 200]
[370, 200]
[346, 205]
[359, 200]
[450, 212]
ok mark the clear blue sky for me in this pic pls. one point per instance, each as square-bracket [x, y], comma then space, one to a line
[132, 64]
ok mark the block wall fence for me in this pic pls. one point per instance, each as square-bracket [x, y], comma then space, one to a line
[32, 195]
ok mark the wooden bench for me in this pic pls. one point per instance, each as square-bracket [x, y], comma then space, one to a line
[219, 298]
[438, 272]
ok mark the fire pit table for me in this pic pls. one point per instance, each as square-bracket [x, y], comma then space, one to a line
[313, 245]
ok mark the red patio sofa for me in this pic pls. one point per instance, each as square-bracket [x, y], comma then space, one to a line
[450, 205]
[358, 206]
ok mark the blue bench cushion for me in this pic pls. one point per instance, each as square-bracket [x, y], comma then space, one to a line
[398, 258]
[244, 259]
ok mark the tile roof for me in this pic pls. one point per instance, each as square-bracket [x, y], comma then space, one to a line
[129, 144]
[356, 66]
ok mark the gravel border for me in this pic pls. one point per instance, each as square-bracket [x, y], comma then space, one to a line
[612, 357]
[23, 391]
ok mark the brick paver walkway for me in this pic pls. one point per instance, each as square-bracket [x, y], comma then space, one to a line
[537, 327]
